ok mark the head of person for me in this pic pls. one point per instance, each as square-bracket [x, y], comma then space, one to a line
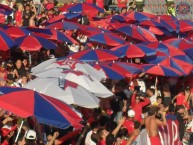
[18, 63]
[3, 65]
[30, 137]
[20, 7]
[123, 10]
[131, 114]
[137, 124]
[101, 15]
[159, 100]
[150, 92]
[27, 7]
[10, 63]
[102, 134]
[24, 78]
[110, 139]
[122, 134]
[180, 109]
[153, 110]
[94, 126]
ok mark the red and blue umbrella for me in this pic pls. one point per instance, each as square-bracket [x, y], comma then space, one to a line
[39, 30]
[161, 70]
[6, 10]
[136, 32]
[94, 55]
[16, 32]
[82, 7]
[140, 16]
[171, 56]
[182, 44]
[109, 71]
[125, 68]
[134, 50]
[177, 25]
[6, 41]
[25, 103]
[62, 37]
[34, 43]
[64, 25]
[106, 38]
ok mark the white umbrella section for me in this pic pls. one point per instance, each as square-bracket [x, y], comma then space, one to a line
[64, 90]
[84, 80]
[69, 64]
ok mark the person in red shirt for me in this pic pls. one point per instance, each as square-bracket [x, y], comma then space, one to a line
[137, 103]
[100, 3]
[121, 4]
[129, 122]
[19, 15]
[183, 98]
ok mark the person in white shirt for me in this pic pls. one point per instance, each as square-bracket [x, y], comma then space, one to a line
[94, 128]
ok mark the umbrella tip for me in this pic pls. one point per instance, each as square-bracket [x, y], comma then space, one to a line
[34, 89]
[160, 41]
[158, 64]
[29, 34]
[70, 58]
[97, 62]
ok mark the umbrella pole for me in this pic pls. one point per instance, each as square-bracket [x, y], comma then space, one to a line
[19, 131]
[29, 58]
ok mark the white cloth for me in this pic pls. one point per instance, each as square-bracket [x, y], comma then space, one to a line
[153, 99]
[88, 140]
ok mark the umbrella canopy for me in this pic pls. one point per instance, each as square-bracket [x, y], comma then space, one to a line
[139, 16]
[134, 50]
[109, 71]
[106, 38]
[127, 69]
[6, 41]
[67, 64]
[64, 25]
[182, 44]
[90, 84]
[136, 32]
[62, 37]
[64, 90]
[34, 43]
[177, 25]
[161, 70]
[6, 10]
[171, 56]
[82, 7]
[16, 32]
[95, 55]
[39, 30]
[25, 103]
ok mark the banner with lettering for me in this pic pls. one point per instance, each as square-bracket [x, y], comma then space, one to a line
[169, 135]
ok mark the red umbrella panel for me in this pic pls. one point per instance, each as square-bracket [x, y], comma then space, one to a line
[94, 55]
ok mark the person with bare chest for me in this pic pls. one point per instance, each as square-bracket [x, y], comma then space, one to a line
[152, 123]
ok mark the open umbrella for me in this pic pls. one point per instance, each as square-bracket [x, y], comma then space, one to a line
[61, 37]
[64, 90]
[65, 25]
[182, 44]
[34, 43]
[6, 10]
[106, 38]
[135, 32]
[162, 70]
[134, 50]
[140, 16]
[67, 64]
[171, 56]
[25, 103]
[127, 69]
[16, 32]
[177, 25]
[95, 55]
[6, 41]
[109, 71]
[90, 84]
[82, 7]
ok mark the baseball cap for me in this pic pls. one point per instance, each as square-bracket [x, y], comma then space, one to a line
[30, 134]
[131, 113]
[6, 129]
